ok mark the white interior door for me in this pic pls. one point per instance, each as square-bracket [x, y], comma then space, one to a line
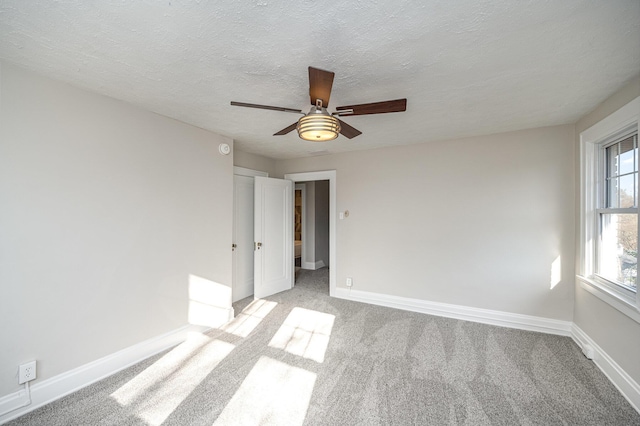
[273, 234]
[242, 237]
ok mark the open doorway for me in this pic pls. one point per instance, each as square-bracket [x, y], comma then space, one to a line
[311, 226]
[244, 251]
[317, 223]
[298, 223]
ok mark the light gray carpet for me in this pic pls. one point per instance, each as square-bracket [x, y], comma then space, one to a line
[313, 360]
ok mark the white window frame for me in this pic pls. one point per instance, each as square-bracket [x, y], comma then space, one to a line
[592, 142]
[603, 202]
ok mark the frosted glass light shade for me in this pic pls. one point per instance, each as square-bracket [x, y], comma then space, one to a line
[318, 126]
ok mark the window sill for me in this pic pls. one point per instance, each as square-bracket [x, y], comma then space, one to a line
[615, 300]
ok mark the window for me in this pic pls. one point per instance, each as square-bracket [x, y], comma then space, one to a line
[617, 243]
[609, 209]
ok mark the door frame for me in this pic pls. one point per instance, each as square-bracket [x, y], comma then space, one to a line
[329, 175]
[243, 171]
[303, 196]
[251, 173]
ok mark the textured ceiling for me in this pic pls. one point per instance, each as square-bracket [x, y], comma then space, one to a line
[467, 67]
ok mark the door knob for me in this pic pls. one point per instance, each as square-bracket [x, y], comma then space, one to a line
[257, 246]
[233, 247]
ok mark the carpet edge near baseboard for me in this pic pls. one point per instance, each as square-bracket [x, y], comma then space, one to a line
[73, 380]
[627, 386]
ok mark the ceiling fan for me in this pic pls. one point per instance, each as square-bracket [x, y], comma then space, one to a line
[318, 125]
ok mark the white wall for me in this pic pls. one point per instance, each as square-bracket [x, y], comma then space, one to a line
[322, 221]
[106, 210]
[254, 161]
[309, 224]
[617, 334]
[475, 222]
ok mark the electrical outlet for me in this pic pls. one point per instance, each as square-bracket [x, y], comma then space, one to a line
[27, 372]
[349, 282]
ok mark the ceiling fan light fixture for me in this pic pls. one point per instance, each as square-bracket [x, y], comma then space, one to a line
[318, 126]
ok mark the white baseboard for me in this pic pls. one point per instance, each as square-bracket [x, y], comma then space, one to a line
[78, 378]
[12, 403]
[63, 384]
[628, 387]
[485, 316]
[313, 265]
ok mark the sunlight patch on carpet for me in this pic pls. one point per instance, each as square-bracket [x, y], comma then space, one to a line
[249, 318]
[161, 369]
[273, 393]
[160, 389]
[305, 333]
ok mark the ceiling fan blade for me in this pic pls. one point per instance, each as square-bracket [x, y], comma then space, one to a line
[273, 108]
[348, 131]
[320, 83]
[286, 130]
[397, 105]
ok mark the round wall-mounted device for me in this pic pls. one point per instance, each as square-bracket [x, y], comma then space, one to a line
[224, 149]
